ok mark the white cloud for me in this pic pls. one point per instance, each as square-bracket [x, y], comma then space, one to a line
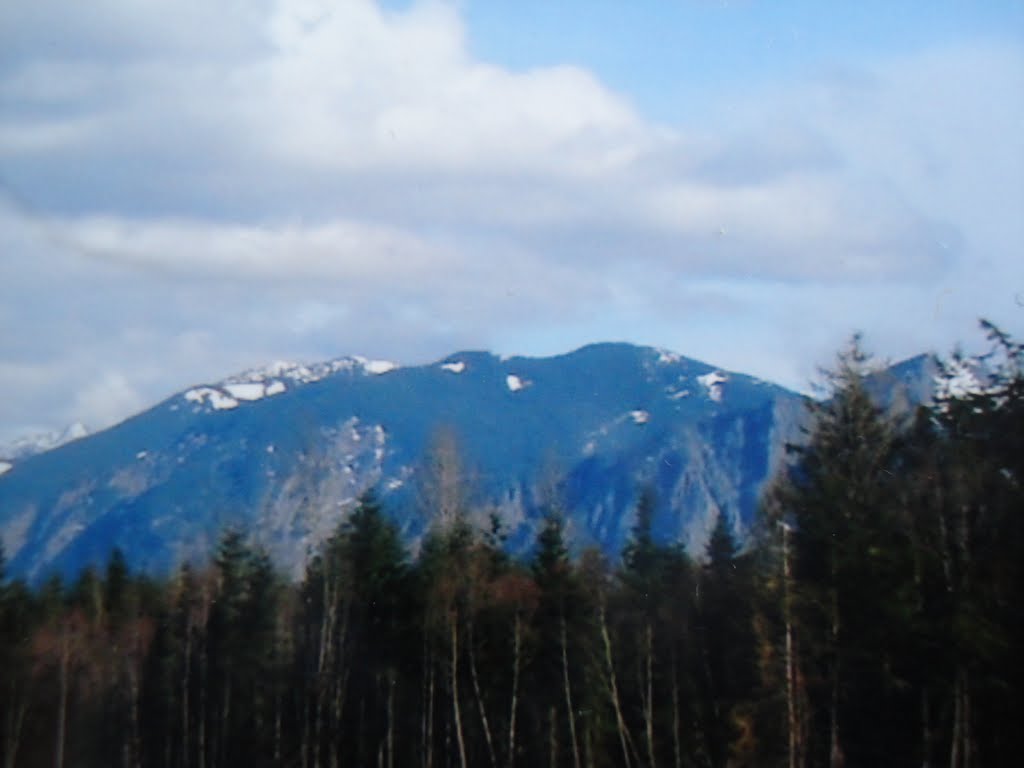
[387, 116]
[107, 399]
[338, 250]
[202, 185]
[353, 87]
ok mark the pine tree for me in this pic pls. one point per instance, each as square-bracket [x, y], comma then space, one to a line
[16, 627]
[558, 610]
[850, 570]
[728, 648]
[969, 523]
[377, 574]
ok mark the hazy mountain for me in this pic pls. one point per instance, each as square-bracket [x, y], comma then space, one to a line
[284, 452]
[30, 445]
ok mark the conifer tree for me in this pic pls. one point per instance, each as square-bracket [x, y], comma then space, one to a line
[556, 621]
[727, 643]
[969, 521]
[377, 574]
[850, 570]
[16, 627]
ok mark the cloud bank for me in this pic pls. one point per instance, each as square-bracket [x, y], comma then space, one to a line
[189, 188]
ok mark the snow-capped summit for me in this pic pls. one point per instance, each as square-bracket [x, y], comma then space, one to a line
[276, 378]
[306, 373]
[284, 452]
[30, 445]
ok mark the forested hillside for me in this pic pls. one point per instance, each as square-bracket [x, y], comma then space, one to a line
[874, 619]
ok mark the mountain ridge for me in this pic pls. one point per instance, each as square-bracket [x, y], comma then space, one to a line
[287, 462]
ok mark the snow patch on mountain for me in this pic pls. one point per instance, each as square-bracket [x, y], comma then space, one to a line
[457, 367]
[258, 383]
[5, 466]
[40, 442]
[376, 367]
[298, 373]
[514, 383]
[640, 417]
[712, 382]
[219, 401]
[307, 373]
[245, 391]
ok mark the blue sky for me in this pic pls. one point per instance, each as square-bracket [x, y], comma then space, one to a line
[676, 59]
[191, 188]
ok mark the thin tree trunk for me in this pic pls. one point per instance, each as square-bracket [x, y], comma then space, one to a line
[624, 739]
[677, 747]
[968, 735]
[836, 758]
[62, 700]
[225, 721]
[456, 710]
[480, 700]
[304, 736]
[568, 696]
[957, 736]
[135, 738]
[516, 643]
[14, 721]
[795, 745]
[203, 675]
[342, 672]
[391, 721]
[926, 731]
[427, 730]
[326, 646]
[552, 737]
[962, 747]
[649, 695]
[318, 708]
[713, 727]
[186, 673]
[277, 728]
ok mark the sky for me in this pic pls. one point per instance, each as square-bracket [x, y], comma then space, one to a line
[189, 189]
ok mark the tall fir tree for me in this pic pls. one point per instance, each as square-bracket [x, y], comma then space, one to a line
[850, 571]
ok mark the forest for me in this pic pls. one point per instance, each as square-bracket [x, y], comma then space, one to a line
[872, 618]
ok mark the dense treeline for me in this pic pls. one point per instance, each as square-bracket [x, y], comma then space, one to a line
[874, 619]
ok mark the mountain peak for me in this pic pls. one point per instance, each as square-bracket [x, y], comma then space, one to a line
[40, 442]
[284, 451]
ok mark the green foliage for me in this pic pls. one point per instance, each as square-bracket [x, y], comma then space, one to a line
[876, 617]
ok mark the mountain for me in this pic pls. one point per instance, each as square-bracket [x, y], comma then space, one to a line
[30, 445]
[284, 452]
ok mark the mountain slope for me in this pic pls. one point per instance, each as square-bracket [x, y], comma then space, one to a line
[285, 452]
[31, 445]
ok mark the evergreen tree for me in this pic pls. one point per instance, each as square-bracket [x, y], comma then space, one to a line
[850, 571]
[972, 544]
[556, 624]
[728, 648]
[242, 631]
[378, 580]
[16, 627]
